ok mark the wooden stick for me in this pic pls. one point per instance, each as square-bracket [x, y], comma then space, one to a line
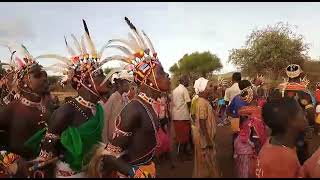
[39, 165]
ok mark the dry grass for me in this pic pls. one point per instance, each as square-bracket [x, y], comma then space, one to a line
[62, 95]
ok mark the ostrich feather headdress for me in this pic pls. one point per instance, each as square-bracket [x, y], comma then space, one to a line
[19, 66]
[137, 51]
[84, 60]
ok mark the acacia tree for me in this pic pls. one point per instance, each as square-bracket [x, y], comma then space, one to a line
[269, 50]
[311, 70]
[196, 64]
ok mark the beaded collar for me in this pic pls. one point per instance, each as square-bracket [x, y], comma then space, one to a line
[85, 103]
[37, 105]
[79, 109]
[151, 101]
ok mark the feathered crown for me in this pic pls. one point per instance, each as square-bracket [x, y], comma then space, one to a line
[84, 61]
[259, 79]
[294, 71]
[83, 57]
[20, 66]
[294, 86]
[138, 53]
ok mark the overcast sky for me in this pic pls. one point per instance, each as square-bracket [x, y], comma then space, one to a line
[175, 28]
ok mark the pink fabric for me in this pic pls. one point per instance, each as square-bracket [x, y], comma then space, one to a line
[245, 166]
[242, 147]
[254, 120]
[245, 158]
[261, 102]
[164, 142]
[250, 111]
[245, 154]
[259, 128]
[317, 95]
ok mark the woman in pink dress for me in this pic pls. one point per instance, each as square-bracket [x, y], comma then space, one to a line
[252, 133]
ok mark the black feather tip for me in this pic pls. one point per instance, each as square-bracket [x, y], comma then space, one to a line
[86, 27]
[12, 54]
[24, 48]
[65, 40]
[130, 24]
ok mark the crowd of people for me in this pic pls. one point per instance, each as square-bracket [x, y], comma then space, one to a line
[270, 125]
[121, 124]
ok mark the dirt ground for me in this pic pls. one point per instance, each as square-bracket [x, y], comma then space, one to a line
[62, 95]
[224, 150]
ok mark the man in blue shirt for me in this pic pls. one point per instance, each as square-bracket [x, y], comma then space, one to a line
[235, 105]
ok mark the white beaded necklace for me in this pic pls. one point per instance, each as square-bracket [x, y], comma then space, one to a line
[37, 105]
[86, 103]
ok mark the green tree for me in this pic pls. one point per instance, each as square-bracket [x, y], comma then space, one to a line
[269, 50]
[200, 64]
[311, 70]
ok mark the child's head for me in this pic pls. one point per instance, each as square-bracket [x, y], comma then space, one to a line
[284, 115]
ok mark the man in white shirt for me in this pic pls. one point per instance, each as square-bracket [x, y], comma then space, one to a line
[181, 103]
[234, 90]
[230, 93]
